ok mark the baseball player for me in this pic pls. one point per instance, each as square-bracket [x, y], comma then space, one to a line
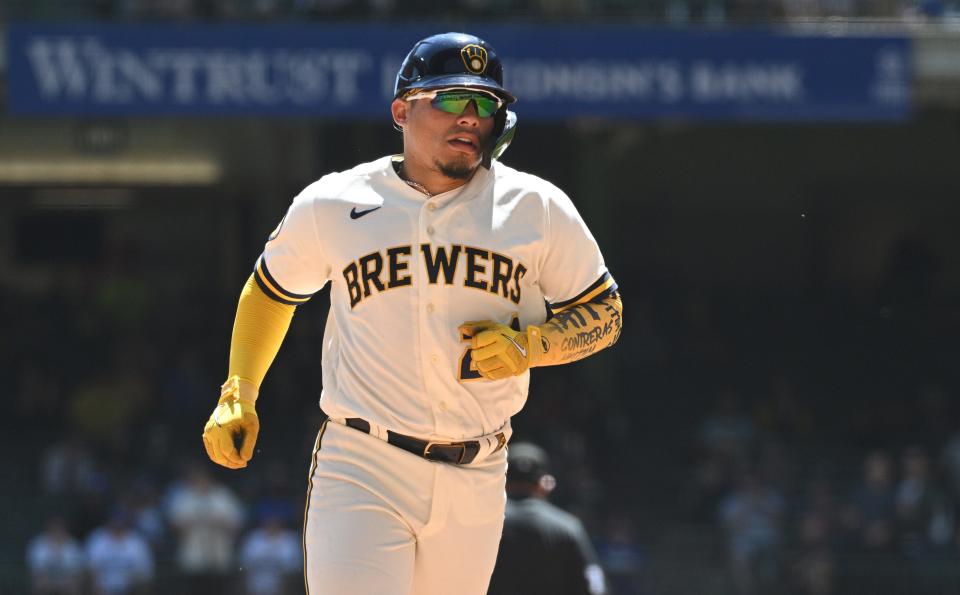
[441, 261]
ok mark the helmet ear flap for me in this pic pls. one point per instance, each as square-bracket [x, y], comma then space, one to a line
[499, 121]
[504, 127]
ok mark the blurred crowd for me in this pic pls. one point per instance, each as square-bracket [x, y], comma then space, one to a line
[113, 376]
[788, 441]
[111, 392]
[830, 461]
[193, 527]
[655, 11]
[830, 518]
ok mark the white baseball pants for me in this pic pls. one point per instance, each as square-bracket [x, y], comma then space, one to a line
[382, 521]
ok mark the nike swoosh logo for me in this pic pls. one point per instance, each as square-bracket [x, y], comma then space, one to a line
[522, 351]
[355, 214]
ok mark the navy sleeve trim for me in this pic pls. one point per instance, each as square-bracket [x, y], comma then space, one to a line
[273, 289]
[602, 287]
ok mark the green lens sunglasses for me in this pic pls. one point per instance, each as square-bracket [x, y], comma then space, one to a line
[455, 101]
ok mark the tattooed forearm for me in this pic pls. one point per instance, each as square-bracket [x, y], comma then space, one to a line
[582, 330]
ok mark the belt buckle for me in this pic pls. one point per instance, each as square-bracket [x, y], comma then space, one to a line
[461, 445]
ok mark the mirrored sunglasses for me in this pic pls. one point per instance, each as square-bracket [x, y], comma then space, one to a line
[455, 101]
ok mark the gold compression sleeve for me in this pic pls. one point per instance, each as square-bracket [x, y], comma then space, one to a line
[258, 331]
[581, 330]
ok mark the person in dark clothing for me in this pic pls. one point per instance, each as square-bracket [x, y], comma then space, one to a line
[543, 549]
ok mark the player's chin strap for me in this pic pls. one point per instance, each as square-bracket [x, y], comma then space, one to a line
[506, 123]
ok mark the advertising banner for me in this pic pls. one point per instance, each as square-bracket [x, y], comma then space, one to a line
[337, 71]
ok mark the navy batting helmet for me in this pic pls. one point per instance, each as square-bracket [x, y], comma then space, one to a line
[452, 60]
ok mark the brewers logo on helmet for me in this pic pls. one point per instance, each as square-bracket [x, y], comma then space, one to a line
[474, 58]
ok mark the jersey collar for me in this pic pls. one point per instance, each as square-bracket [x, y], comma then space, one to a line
[466, 192]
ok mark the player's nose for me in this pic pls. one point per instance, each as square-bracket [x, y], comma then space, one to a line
[469, 117]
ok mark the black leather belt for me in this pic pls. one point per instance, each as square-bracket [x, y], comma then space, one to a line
[458, 453]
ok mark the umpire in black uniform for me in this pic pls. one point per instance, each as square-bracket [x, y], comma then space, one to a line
[544, 549]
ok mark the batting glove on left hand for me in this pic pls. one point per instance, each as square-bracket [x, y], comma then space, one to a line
[231, 432]
[498, 351]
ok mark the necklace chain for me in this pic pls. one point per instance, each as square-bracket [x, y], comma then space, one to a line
[415, 185]
[418, 186]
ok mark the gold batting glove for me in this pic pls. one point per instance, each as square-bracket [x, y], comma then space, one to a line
[498, 351]
[231, 432]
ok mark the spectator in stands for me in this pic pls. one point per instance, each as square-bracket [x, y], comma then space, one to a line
[207, 517]
[784, 414]
[923, 514]
[814, 563]
[820, 501]
[119, 560]
[838, 8]
[271, 559]
[725, 437]
[183, 386]
[140, 504]
[75, 480]
[950, 462]
[67, 468]
[752, 516]
[728, 433]
[620, 555]
[106, 408]
[55, 561]
[870, 516]
[276, 500]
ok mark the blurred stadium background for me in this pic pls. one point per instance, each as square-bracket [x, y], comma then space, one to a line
[775, 186]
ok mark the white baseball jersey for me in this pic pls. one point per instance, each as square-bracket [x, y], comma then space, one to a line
[407, 270]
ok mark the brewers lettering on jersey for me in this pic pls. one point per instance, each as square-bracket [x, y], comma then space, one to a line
[440, 262]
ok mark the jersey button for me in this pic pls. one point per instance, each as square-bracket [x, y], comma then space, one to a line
[432, 207]
[443, 405]
[435, 358]
[430, 230]
[430, 308]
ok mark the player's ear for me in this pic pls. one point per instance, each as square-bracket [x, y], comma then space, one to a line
[398, 109]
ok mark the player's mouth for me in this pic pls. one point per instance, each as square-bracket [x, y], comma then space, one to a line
[464, 143]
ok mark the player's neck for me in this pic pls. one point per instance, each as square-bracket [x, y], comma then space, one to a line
[427, 180]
